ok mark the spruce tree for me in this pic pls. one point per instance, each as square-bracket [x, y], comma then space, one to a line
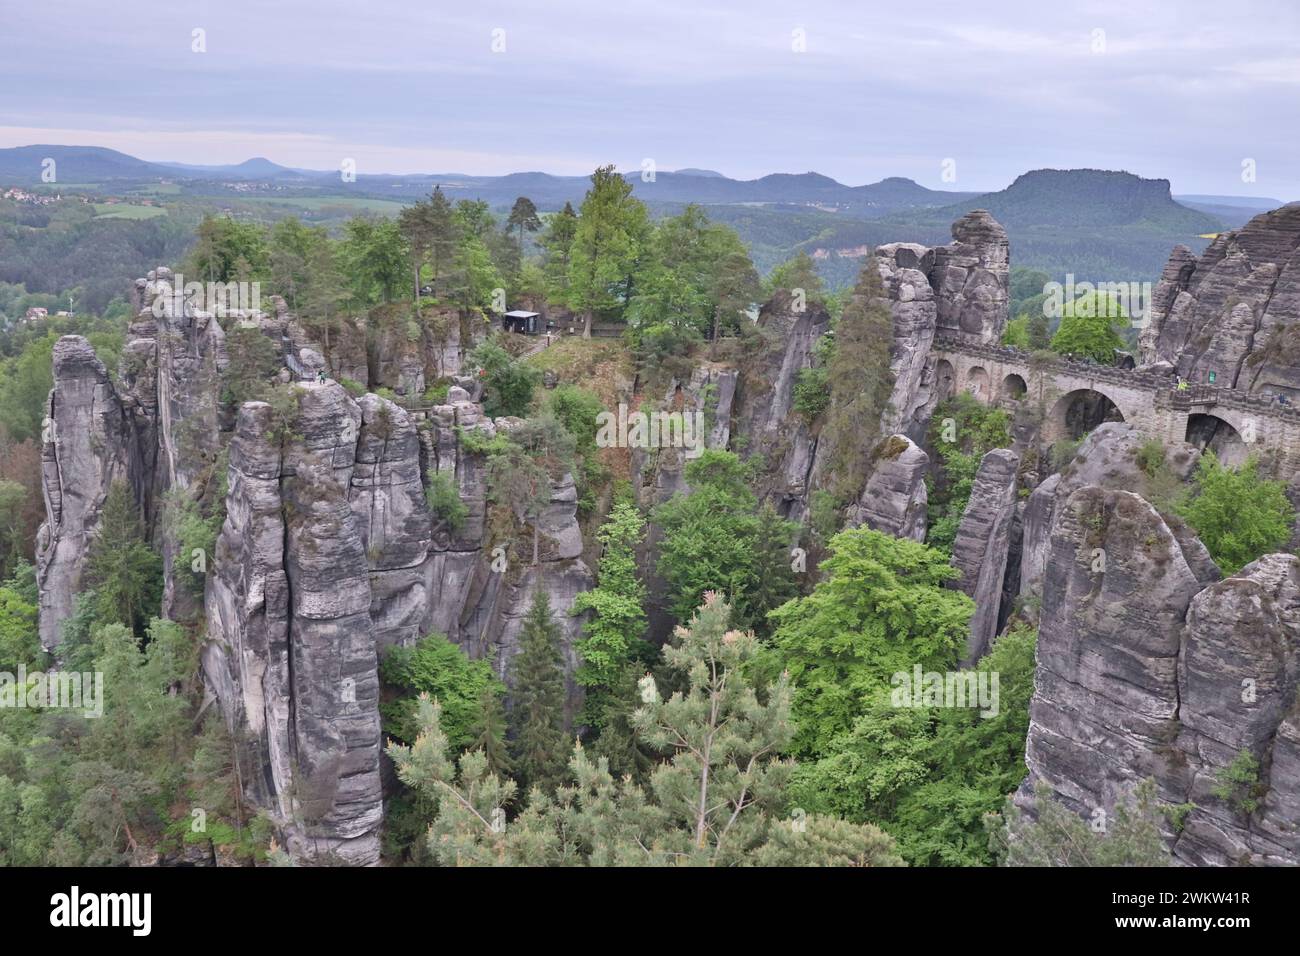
[488, 731]
[537, 715]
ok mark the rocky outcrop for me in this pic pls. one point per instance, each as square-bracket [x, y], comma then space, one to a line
[88, 446]
[763, 412]
[329, 555]
[291, 651]
[1108, 458]
[982, 544]
[914, 309]
[971, 279]
[1231, 310]
[1145, 669]
[894, 500]
[960, 290]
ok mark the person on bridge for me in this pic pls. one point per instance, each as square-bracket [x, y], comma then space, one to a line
[1182, 384]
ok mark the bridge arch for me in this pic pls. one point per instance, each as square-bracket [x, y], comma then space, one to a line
[977, 383]
[1078, 412]
[1014, 387]
[1207, 430]
[945, 379]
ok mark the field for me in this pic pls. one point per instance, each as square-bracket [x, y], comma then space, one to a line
[105, 210]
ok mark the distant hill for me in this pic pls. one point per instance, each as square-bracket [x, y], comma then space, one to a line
[1086, 198]
[1233, 211]
[1098, 224]
[73, 164]
[258, 168]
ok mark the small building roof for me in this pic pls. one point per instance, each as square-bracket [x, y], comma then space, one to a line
[521, 314]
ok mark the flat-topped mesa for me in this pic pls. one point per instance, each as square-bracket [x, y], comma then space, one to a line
[1231, 310]
[87, 447]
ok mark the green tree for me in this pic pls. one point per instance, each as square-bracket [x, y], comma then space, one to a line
[374, 260]
[508, 383]
[25, 383]
[488, 731]
[717, 800]
[1239, 515]
[19, 637]
[1090, 328]
[612, 227]
[799, 272]
[436, 666]
[860, 382]
[417, 226]
[1057, 837]
[125, 573]
[255, 361]
[881, 608]
[711, 540]
[227, 250]
[523, 218]
[929, 775]
[13, 508]
[962, 431]
[523, 468]
[557, 243]
[537, 708]
[615, 631]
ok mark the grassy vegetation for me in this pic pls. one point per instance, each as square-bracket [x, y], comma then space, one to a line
[106, 210]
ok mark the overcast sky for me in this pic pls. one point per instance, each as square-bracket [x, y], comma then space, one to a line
[1185, 93]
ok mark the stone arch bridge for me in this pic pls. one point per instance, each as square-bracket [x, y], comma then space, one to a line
[1232, 422]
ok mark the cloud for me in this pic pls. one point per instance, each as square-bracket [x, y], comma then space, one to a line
[877, 91]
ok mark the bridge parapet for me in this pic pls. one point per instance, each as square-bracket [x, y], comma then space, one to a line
[1165, 394]
[1131, 378]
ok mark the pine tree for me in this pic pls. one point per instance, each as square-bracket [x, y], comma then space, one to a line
[540, 746]
[718, 800]
[442, 225]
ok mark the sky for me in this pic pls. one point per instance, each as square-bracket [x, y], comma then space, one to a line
[955, 95]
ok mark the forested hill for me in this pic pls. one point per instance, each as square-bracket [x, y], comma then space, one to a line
[1085, 198]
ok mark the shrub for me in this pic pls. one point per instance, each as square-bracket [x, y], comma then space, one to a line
[444, 500]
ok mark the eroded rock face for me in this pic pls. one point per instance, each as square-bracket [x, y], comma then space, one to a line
[961, 290]
[291, 650]
[1145, 671]
[971, 279]
[88, 446]
[914, 309]
[1230, 310]
[765, 400]
[1109, 458]
[328, 556]
[894, 500]
[982, 544]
